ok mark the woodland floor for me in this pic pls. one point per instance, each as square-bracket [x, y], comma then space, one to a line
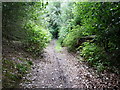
[61, 69]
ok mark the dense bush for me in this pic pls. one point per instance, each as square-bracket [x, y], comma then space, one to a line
[72, 37]
[99, 19]
[93, 53]
[24, 22]
[36, 37]
[73, 23]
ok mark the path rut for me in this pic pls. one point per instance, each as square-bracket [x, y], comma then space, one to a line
[61, 70]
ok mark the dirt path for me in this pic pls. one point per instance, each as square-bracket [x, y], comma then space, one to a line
[62, 70]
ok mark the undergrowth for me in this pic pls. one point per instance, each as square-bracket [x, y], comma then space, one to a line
[13, 71]
[58, 46]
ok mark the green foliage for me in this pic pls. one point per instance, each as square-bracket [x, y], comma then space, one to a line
[14, 71]
[94, 54]
[90, 50]
[36, 37]
[22, 67]
[66, 20]
[24, 21]
[72, 37]
[93, 18]
[52, 17]
[70, 22]
[58, 46]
